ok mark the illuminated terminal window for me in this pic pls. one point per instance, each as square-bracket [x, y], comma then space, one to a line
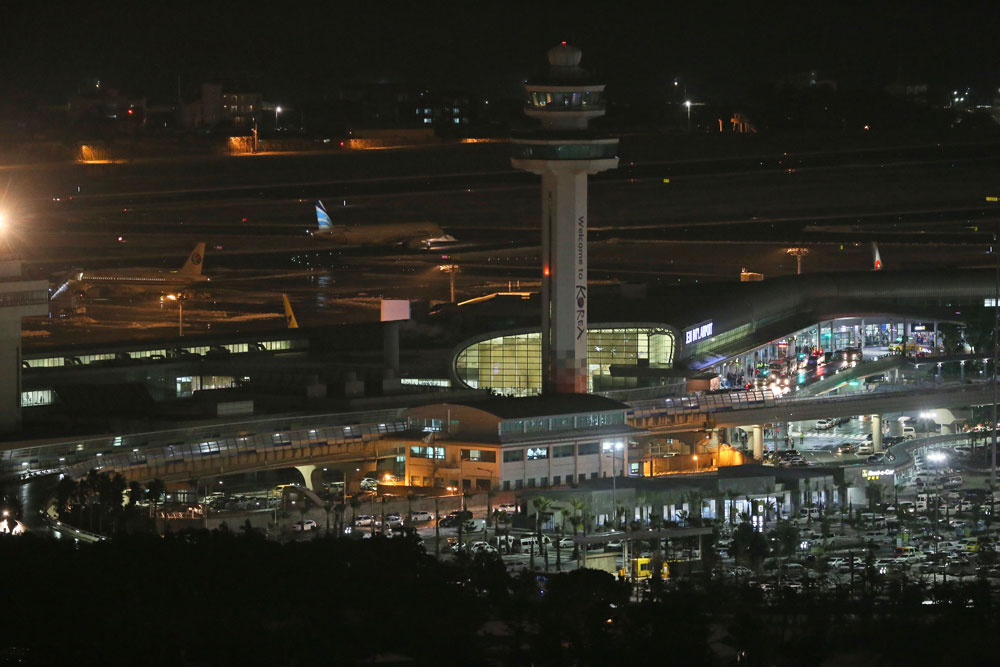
[33, 399]
[47, 362]
[426, 382]
[511, 365]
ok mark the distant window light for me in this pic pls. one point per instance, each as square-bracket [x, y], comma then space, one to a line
[428, 120]
[456, 120]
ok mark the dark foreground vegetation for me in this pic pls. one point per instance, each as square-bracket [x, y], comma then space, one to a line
[233, 598]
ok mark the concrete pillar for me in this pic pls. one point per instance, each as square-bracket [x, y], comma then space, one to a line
[758, 442]
[935, 339]
[312, 475]
[877, 432]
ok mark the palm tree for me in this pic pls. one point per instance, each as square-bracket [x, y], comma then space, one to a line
[779, 502]
[579, 509]
[89, 486]
[807, 485]
[410, 497]
[768, 507]
[437, 526]
[66, 489]
[355, 505]
[489, 505]
[873, 494]
[135, 492]
[896, 488]
[694, 499]
[542, 507]
[154, 491]
[732, 495]
[640, 502]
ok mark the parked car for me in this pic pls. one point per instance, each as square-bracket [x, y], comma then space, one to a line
[421, 515]
[865, 449]
[482, 548]
[825, 424]
[363, 520]
[845, 448]
[307, 524]
[509, 508]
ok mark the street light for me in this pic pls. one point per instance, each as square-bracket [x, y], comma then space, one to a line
[179, 298]
[798, 254]
[614, 447]
[451, 270]
[277, 110]
[687, 103]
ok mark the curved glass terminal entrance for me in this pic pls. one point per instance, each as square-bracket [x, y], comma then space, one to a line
[511, 364]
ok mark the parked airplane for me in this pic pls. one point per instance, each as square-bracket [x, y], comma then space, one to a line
[138, 278]
[876, 258]
[414, 235]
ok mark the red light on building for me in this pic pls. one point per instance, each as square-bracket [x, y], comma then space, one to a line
[545, 271]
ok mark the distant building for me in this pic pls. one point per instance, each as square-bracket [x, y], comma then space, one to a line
[107, 105]
[911, 92]
[241, 109]
[805, 81]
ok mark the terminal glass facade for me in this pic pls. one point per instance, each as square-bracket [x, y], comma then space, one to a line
[511, 365]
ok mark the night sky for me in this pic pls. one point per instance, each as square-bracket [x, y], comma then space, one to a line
[50, 49]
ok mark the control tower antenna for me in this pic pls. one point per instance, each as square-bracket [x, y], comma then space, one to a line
[563, 152]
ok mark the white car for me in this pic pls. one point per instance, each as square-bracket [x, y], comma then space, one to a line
[421, 515]
[301, 526]
[566, 543]
[363, 520]
[482, 548]
[865, 449]
[509, 508]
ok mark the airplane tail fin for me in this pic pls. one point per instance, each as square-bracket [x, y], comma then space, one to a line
[192, 266]
[323, 218]
[289, 315]
[876, 258]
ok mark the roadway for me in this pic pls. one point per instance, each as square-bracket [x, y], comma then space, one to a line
[744, 408]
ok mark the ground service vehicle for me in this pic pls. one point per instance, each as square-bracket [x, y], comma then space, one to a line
[642, 568]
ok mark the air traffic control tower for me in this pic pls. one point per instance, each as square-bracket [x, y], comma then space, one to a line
[18, 298]
[564, 151]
